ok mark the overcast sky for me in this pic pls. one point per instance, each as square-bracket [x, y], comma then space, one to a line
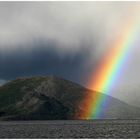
[67, 39]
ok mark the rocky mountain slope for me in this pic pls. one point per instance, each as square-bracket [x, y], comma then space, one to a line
[40, 98]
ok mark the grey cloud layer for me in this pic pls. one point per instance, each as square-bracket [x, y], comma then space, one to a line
[67, 23]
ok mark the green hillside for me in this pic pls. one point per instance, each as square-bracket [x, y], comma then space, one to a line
[51, 97]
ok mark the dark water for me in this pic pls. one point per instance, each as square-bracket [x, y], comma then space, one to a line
[71, 129]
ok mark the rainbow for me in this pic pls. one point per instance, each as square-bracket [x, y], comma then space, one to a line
[108, 71]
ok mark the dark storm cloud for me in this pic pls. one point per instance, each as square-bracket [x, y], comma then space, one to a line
[44, 60]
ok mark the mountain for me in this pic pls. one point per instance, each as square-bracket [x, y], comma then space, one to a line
[50, 97]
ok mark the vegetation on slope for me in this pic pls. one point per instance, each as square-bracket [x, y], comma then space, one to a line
[53, 98]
